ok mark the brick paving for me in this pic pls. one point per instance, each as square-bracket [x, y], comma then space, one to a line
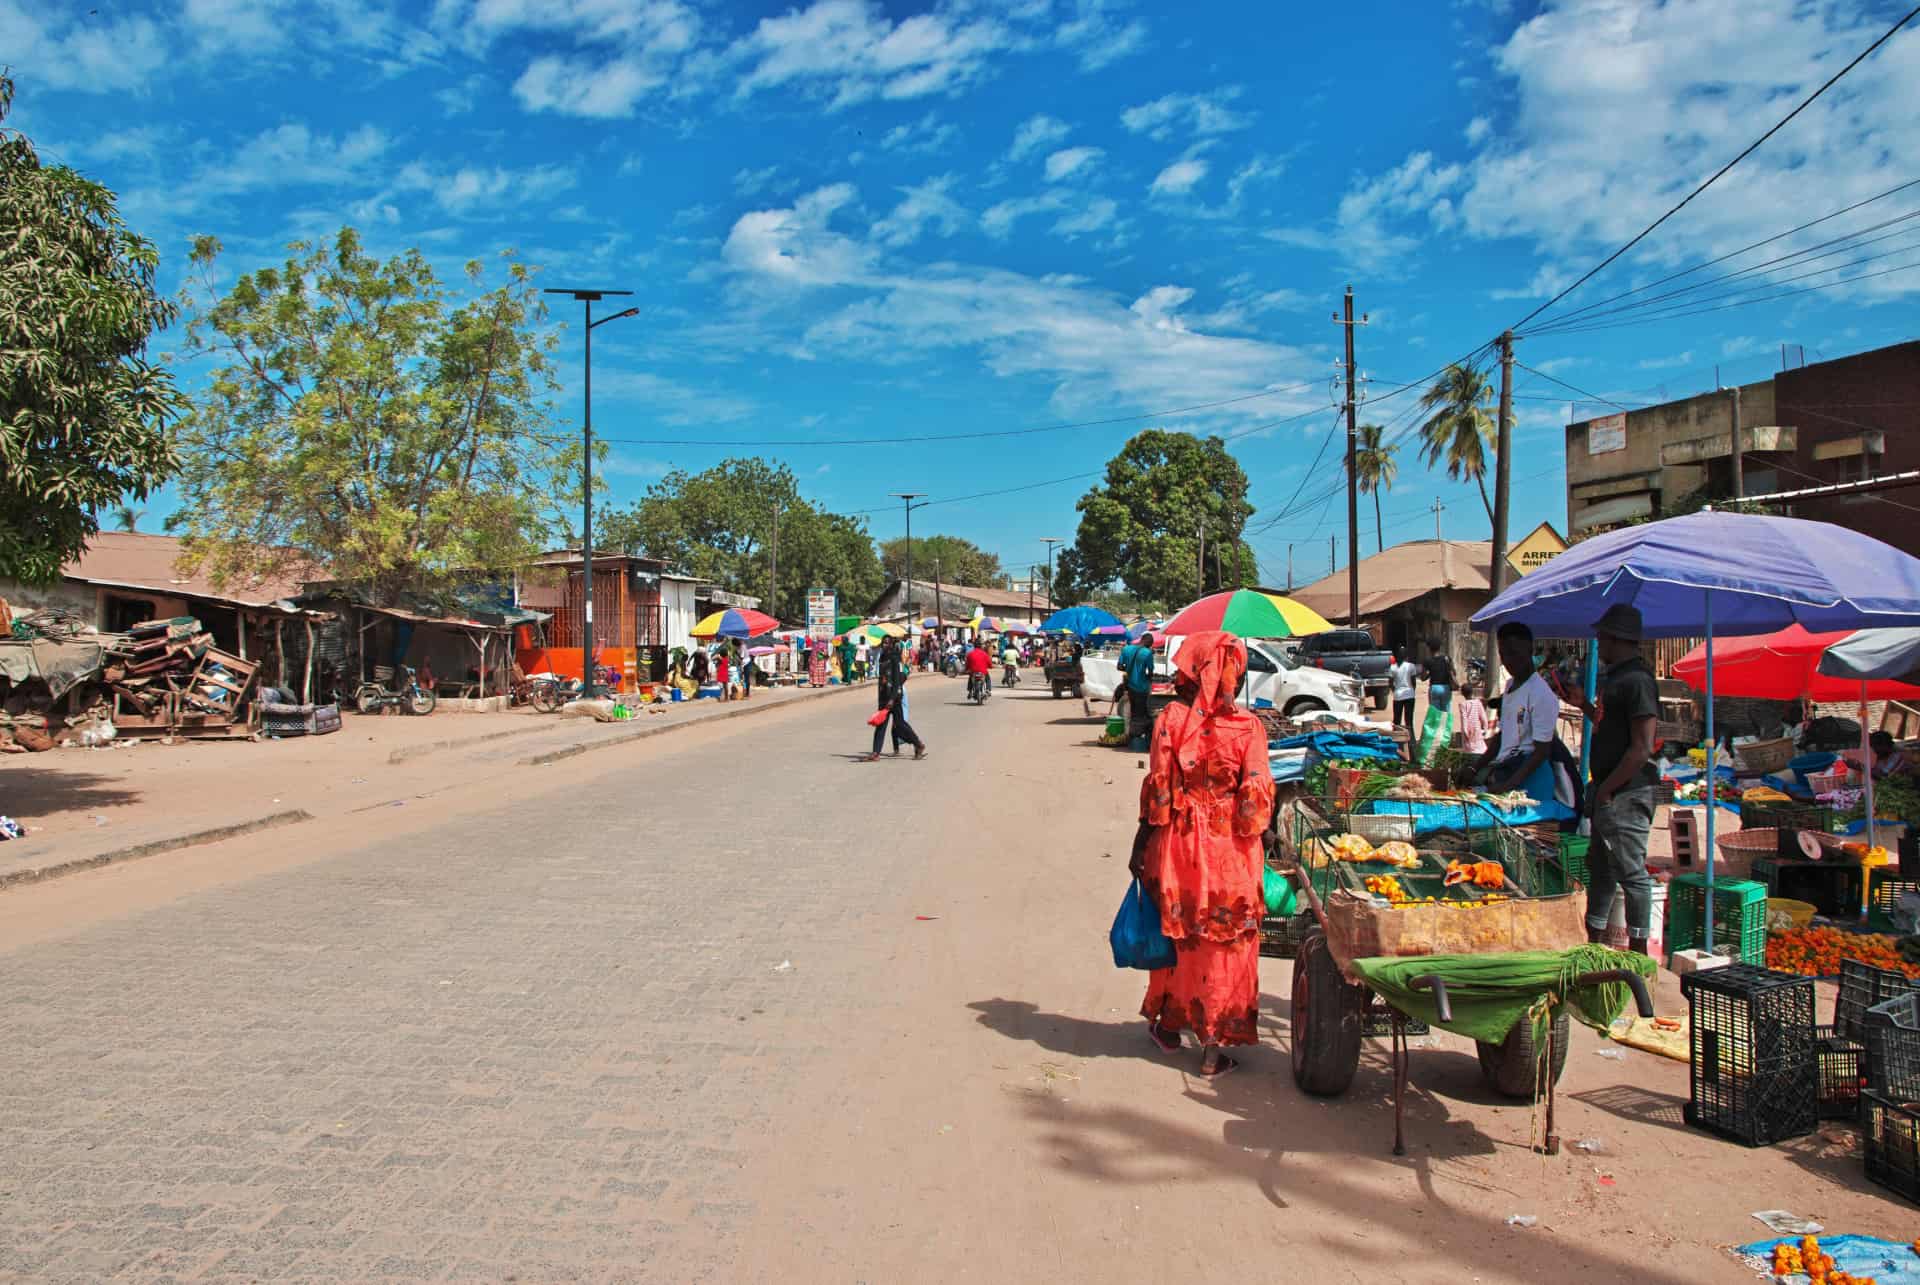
[528, 1045]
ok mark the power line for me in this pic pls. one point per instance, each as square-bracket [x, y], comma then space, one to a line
[1743, 303]
[1719, 173]
[1592, 397]
[1733, 254]
[959, 437]
[1851, 241]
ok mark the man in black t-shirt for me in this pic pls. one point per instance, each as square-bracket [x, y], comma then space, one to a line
[1624, 776]
[1439, 678]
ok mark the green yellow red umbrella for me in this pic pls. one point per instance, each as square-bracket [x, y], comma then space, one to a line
[1248, 613]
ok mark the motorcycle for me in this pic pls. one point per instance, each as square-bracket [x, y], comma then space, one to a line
[410, 698]
[550, 691]
[1009, 676]
[977, 689]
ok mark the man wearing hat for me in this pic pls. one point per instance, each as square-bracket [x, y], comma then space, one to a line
[1624, 776]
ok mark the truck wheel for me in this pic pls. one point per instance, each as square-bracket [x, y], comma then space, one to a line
[1059, 690]
[1379, 699]
[1508, 1066]
[1304, 705]
[1326, 1020]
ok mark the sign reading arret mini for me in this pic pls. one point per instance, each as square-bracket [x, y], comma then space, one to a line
[1607, 434]
[1540, 547]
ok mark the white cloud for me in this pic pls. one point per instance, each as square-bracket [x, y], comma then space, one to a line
[1678, 361]
[927, 204]
[1094, 347]
[1035, 133]
[795, 245]
[1203, 115]
[999, 219]
[90, 54]
[1478, 129]
[1070, 161]
[1097, 38]
[586, 86]
[848, 51]
[669, 401]
[471, 188]
[1367, 220]
[1178, 178]
[753, 182]
[622, 51]
[1098, 215]
[928, 134]
[292, 154]
[459, 99]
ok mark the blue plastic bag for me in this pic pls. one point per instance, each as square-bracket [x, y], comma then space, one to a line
[1136, 937]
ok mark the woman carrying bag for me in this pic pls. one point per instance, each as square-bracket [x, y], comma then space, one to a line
[893, 695]
[1204, 806]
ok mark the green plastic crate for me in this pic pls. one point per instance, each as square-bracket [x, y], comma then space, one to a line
[1556, 875]
[1739, 917]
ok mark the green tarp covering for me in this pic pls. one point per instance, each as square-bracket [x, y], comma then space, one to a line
[1489, 993]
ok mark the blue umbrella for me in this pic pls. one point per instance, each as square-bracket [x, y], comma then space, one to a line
[1734, 573]
[1079, 620]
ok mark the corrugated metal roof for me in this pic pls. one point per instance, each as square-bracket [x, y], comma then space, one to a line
[131, 560]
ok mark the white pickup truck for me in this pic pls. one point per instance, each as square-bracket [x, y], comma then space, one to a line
[1272, 676]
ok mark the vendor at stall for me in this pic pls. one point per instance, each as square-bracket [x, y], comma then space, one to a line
[1522, 756]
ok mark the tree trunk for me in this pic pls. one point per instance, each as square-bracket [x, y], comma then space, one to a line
[1379, 538]
[1485, 503]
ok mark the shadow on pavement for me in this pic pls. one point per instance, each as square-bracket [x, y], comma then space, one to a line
[1642, 1106]
[36, 791]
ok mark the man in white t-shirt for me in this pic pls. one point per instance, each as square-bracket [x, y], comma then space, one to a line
[1529, 714]
[1404, 674]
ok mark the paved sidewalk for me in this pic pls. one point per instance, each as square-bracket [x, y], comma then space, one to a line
[84, 808]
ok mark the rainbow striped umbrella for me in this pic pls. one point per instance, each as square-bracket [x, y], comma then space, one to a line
[1248, 613]
[735, 623]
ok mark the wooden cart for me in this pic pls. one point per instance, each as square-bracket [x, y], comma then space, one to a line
[1332, 1014]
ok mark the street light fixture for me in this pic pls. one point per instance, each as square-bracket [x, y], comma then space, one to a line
[589, 672]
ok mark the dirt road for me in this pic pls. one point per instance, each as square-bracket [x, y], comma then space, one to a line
[728, 1005]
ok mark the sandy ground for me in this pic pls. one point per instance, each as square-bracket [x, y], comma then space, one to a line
[947, 1081]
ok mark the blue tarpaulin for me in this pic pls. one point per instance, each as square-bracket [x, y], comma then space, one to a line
[1887, 1261]
[1452, 814]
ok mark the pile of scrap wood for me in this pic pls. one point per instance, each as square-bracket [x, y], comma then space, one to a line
[50, 690]
[168, 679]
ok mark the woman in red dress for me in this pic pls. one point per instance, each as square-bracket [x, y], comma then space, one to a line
[1203, 808]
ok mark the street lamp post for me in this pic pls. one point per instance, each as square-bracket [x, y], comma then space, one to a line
[588, 670]
[908, 497]
[1050, 541]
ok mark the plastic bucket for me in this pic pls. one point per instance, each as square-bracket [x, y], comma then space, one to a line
[1116, 727]
[1785, 914]
[1656, 921]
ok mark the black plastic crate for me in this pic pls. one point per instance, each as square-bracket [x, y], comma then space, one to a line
[1835, 888]
[1752, 1070]
[1843, 1075]
[1785, 816]
[1892, 1132]
[1893, 1047]
[1884, 898]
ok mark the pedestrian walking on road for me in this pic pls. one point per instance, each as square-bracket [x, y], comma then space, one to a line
[893, 696]
[1404, 673]
[1439, 678]
[1204, 806]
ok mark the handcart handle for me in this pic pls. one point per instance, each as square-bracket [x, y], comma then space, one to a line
[1438, 985]
[1636, 983]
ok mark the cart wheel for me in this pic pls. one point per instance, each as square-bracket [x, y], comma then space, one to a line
[1079, 692]
[1326, 1020]
[1507, 1067]
[1058, 691]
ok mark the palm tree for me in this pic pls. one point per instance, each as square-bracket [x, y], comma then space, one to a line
[1457, 429]
[127, 518]
[1374, 469]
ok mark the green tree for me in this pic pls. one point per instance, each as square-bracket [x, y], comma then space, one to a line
[1458, 426]
[363, 418]
[959, 561]
[719, 524]
[84, 417]
[1374, 469]
[1142, 528]
[127, 518]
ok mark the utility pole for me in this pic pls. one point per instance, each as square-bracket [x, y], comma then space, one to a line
[1502, 465]
[589, 675]
[939, 613]
[1201, 569]
[1289, 567]
[1050, 541]
[1333, 557]
[1030, 570]
[772, 586]
[1353, 481]
[1437, 507]
[1739, 456]
[908, 498]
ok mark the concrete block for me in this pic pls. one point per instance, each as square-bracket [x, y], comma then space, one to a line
[1694, 961]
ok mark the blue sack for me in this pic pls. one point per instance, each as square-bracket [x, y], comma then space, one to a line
[1136, 937]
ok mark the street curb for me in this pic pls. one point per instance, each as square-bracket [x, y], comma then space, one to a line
[215, 835]
[406, 752]
[642, 733]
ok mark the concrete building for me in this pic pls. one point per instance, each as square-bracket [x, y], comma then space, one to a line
[1833, 421]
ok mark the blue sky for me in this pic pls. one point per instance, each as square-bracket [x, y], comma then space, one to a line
[850, 220]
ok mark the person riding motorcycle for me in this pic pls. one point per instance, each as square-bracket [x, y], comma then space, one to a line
[1009, 664]
[979, 671]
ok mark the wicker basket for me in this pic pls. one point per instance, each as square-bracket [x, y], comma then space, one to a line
[1378, 828]
[1827, 782]
[1762, 757]
[1743, 847]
